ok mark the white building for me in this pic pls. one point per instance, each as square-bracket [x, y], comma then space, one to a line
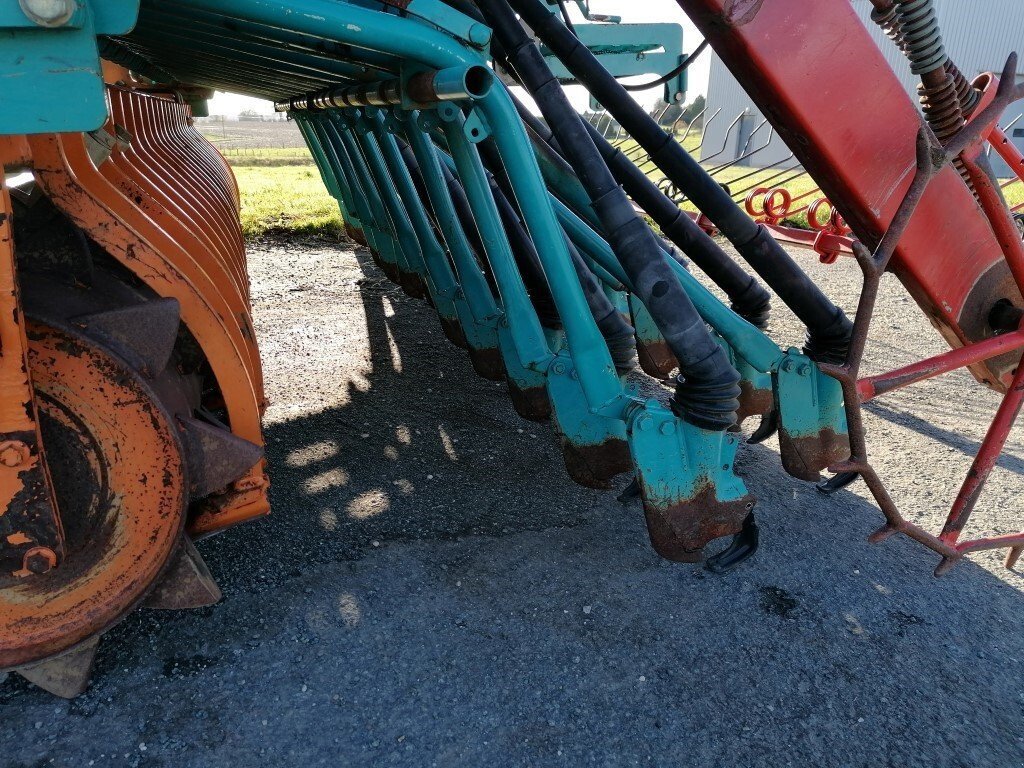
[978, 36]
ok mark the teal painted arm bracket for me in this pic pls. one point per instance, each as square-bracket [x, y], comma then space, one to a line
[446, 18]
[631, 49]
[593, 445]
[690, 491]
[813, 433]
[756, 388]
[50, 62]
[655, 358]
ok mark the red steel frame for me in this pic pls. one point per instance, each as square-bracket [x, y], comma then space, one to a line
[903, 201]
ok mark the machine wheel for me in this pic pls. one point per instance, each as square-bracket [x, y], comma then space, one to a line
[128, 455]
[119, 475]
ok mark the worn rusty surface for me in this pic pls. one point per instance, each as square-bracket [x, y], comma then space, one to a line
[29, 518]
[66, 675]
[142, 334]
[753, 401]
[593, 466]
[656, 359]
[356, 235]
[808, 456]
[135, 234]
[680, 531]
[532, 403]
[412, 284]
[187, 582]
[452, 329]
[120, 477]
[216, 458]
[487, 362]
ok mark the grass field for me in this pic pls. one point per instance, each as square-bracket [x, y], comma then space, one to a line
[282, 191]
[286, 198]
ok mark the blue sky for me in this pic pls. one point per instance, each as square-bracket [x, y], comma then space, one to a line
[637, 11]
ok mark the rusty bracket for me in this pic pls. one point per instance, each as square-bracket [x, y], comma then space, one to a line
[932, 156]
[31, 535]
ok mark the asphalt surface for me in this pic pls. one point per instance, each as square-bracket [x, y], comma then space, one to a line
[432, 590]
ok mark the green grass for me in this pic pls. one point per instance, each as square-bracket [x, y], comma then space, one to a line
[282, 193]
[285, 199]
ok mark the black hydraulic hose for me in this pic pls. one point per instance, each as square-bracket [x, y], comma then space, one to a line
[683, 66]
[748, 297]
[617, 333]
[828, 327]
[526, 258]
[707, 390]
[533, 276]
[467, 220]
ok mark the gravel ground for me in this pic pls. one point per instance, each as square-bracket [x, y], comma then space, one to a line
[432, 590]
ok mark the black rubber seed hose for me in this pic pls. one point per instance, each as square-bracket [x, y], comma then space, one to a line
[526, 258]
[708, 389]
[617, 333]
[533, 278]
[828, 327]
[748, 297]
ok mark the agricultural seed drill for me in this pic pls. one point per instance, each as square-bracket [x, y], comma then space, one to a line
[131, 381]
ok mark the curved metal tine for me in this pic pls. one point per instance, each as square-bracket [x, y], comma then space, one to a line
[675, 123]
[704, 129]
[741, 158]
[689, 125]
[620, 135]
[661, 114]
[762, 169]
[603, 124]
[1012, 123]
[638, 154]
[725, 141]
[774, 180]
[1004, 129]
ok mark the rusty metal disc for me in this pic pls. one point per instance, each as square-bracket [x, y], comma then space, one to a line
[122, 491]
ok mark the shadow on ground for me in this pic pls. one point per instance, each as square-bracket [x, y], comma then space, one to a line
[432, 590]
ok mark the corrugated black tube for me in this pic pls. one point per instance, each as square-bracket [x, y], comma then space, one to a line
[748, 297]
[533, 278]
[617, 333]
[828, 327]
[707, 390]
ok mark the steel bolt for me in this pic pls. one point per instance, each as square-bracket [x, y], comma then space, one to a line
[48, 13]
[804, 370]
[39, 560]
[14, 453]
[787, 365]
[667, 428]
[558, 368]
[643, 423]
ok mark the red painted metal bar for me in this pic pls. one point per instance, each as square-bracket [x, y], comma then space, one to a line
[992, 204]
[855, 133]
[1011, 540]
[985, 461]
[1006, 150]
[871, 387]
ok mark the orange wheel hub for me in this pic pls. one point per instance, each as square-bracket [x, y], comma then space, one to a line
[119, 476]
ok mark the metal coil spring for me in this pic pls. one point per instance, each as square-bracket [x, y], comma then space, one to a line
[914, 28]
[941, 107]
[889, 21]
[966, 94]
[921, 36]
